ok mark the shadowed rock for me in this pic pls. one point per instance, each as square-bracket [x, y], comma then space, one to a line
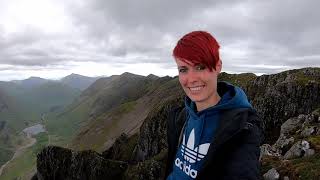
[60, 163]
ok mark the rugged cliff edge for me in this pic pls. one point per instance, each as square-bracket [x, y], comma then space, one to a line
[277, 98]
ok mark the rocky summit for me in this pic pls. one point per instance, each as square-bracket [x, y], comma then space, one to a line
[287, 102]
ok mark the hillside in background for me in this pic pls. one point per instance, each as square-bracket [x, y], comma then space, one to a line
[30, 82]
[100, 107]
[24, 103]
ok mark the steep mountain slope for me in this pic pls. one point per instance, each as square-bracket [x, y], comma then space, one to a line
[78, 81]
[102, 97]
[50, 96]
[22, 105]
[127, 117]
[10, 111]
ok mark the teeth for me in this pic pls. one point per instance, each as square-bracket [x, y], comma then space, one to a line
[195, 88]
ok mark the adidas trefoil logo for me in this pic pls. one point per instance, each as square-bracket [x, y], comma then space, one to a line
[193, 154]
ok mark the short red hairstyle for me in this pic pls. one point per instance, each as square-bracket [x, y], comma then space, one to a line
[198, 47]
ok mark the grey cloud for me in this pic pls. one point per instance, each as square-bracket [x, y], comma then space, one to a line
[279, 33]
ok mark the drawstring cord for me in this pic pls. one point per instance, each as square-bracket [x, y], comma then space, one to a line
[182, 132]
[202, 118]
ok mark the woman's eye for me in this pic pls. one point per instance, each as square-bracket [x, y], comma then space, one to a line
[182, 70]
[200, 67]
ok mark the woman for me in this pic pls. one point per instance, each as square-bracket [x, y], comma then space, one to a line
[218, 134]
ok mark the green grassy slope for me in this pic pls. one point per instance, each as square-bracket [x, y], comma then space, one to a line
[103, 95]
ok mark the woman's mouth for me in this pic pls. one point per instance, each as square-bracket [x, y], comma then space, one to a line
[196, 89]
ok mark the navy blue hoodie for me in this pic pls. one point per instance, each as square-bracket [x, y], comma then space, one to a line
[200, 129]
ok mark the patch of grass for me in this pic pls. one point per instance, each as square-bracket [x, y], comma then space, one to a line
[300, 168]
[5, 155]
[42, 141]
[268, 162]
[90, 135]
[19, 166]
[315, 142]
[26, 161]
[304, 78]
[123, 109]
[63, 127]
[241, 80]
[307, 167]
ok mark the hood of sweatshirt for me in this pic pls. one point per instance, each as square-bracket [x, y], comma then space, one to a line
[231, 97]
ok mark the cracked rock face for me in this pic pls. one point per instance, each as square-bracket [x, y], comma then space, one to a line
[297, 150]
[60, 163]
[292, 124]
[283, 144]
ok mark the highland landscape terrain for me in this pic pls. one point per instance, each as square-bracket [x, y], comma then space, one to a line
[115, 127]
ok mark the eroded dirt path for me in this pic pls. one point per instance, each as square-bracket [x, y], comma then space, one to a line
[20, 149]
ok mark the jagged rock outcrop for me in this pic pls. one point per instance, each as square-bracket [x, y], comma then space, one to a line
[296, 157]
[152, 169]
[284, 95]
[297, 150]
[152, 139]
[60, 163]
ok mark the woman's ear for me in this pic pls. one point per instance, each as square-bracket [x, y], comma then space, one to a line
[219, 66]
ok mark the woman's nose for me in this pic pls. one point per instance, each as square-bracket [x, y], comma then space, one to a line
[192, 76]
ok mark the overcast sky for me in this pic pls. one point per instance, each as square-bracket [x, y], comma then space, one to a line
[54, 38]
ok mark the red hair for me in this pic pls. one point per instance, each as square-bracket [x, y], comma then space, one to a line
[198, 47]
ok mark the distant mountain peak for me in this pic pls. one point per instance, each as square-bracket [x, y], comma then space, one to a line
[74, 75]
[35, 78]
[78, 81]
[31, 82]
[128, 74]
[152, 76]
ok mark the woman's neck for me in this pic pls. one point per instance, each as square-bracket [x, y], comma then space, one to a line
[211, 101]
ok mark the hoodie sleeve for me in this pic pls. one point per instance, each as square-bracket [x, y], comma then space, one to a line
[243, 162]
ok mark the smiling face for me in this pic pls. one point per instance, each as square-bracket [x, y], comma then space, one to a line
[199, 83]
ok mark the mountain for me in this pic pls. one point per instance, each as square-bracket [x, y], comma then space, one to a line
[104, 101]
[23, 104]
[31, 82]
[128, 116]
[78, 81]
[10, 111]
[50, 96]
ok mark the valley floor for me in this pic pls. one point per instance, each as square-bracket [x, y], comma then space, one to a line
[29, 142]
